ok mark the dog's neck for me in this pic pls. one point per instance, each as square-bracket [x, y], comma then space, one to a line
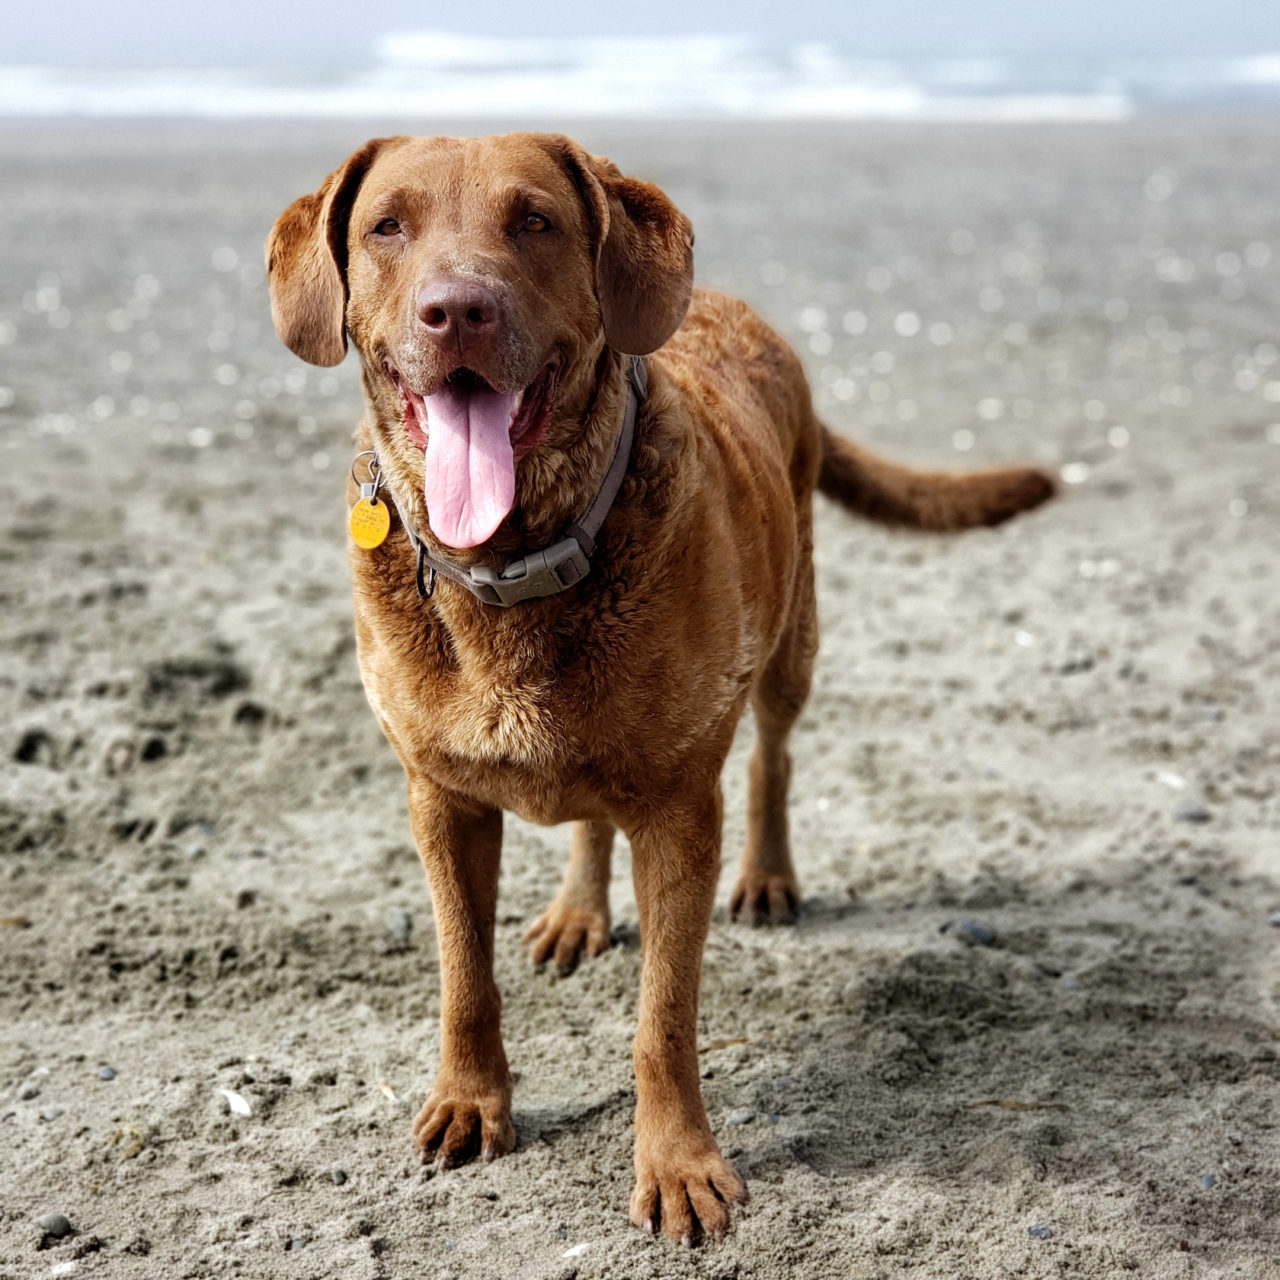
[560, 478]
[558, 482]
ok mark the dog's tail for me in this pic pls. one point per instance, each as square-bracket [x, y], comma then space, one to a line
[937, 500]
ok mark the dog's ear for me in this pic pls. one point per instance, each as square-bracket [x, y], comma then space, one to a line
[307, 263]
[643, 251]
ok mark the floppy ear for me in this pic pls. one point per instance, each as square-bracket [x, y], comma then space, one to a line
[643, 250]
[307, 263]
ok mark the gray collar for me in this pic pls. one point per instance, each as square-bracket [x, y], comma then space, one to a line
[564, 563]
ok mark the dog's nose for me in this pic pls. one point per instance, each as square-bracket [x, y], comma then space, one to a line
[452, 308]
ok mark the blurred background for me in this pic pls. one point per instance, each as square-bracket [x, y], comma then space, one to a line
[1029, 1021]
[828, 59]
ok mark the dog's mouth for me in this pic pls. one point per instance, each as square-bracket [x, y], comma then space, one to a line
[472, 436]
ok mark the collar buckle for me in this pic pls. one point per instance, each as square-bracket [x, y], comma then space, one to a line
[555, 568]
[540, 573]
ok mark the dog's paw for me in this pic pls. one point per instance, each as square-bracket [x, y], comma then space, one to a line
[759, 898]
[451, 1129]
[564, 934]
[687, 1193]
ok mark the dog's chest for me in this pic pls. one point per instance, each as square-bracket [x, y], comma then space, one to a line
[505, 704]
[500, 717]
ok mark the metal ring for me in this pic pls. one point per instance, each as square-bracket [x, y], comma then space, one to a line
[375, 470]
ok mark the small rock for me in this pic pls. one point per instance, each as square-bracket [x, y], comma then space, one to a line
[1190, 810]
[245, 898]
[29, 1091]
[1208, 1180]
[1274, 919]
[973, 933]
[253, 715]
[106, 1073]
[1040, 1232]
[400, 922]
[337, 1176]
[237, 1103]
[784, 1082]
[55, 1225]
[1070, 984]
[50, 1113]
[36, 747]
[741, 1116]
[298, 1242]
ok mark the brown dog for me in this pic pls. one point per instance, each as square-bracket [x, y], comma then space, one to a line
[494, 289]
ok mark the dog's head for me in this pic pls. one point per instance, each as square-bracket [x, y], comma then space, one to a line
[481, 281]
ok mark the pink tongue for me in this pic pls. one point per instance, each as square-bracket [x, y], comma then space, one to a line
[471, 471]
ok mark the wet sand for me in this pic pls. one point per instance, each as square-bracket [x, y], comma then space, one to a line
[1029, 1021]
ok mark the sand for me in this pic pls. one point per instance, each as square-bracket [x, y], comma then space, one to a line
[1028, 1024]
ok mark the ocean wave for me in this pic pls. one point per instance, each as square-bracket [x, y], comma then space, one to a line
[432, 74]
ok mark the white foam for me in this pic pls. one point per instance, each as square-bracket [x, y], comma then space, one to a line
[441, 75]
[1263, 70]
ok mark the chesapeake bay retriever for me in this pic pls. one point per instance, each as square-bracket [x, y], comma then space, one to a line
[531, 641]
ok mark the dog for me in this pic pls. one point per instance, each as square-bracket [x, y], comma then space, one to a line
[597, 550]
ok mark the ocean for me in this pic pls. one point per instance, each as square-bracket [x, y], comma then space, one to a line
[435, 74]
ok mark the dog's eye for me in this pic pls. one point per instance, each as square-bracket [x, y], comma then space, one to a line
[536, 222]
[387, 227]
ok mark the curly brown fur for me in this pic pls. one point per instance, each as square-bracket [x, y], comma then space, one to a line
[612, 705]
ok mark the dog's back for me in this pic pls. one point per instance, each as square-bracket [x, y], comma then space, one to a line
[496, 290]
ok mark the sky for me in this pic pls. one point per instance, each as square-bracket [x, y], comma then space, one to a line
[319, 33]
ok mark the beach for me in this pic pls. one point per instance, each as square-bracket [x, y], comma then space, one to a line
[1028, 1023]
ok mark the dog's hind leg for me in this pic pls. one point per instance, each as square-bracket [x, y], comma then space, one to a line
[767, 891]
[577, 921]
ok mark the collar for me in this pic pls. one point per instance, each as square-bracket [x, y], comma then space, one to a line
[564, 563]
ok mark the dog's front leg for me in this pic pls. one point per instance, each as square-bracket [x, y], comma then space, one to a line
[468, 1113]
[683, 1183]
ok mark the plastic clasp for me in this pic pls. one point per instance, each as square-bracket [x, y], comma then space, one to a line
[541, 573]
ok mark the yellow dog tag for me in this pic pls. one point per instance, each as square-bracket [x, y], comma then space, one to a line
[370, 523]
